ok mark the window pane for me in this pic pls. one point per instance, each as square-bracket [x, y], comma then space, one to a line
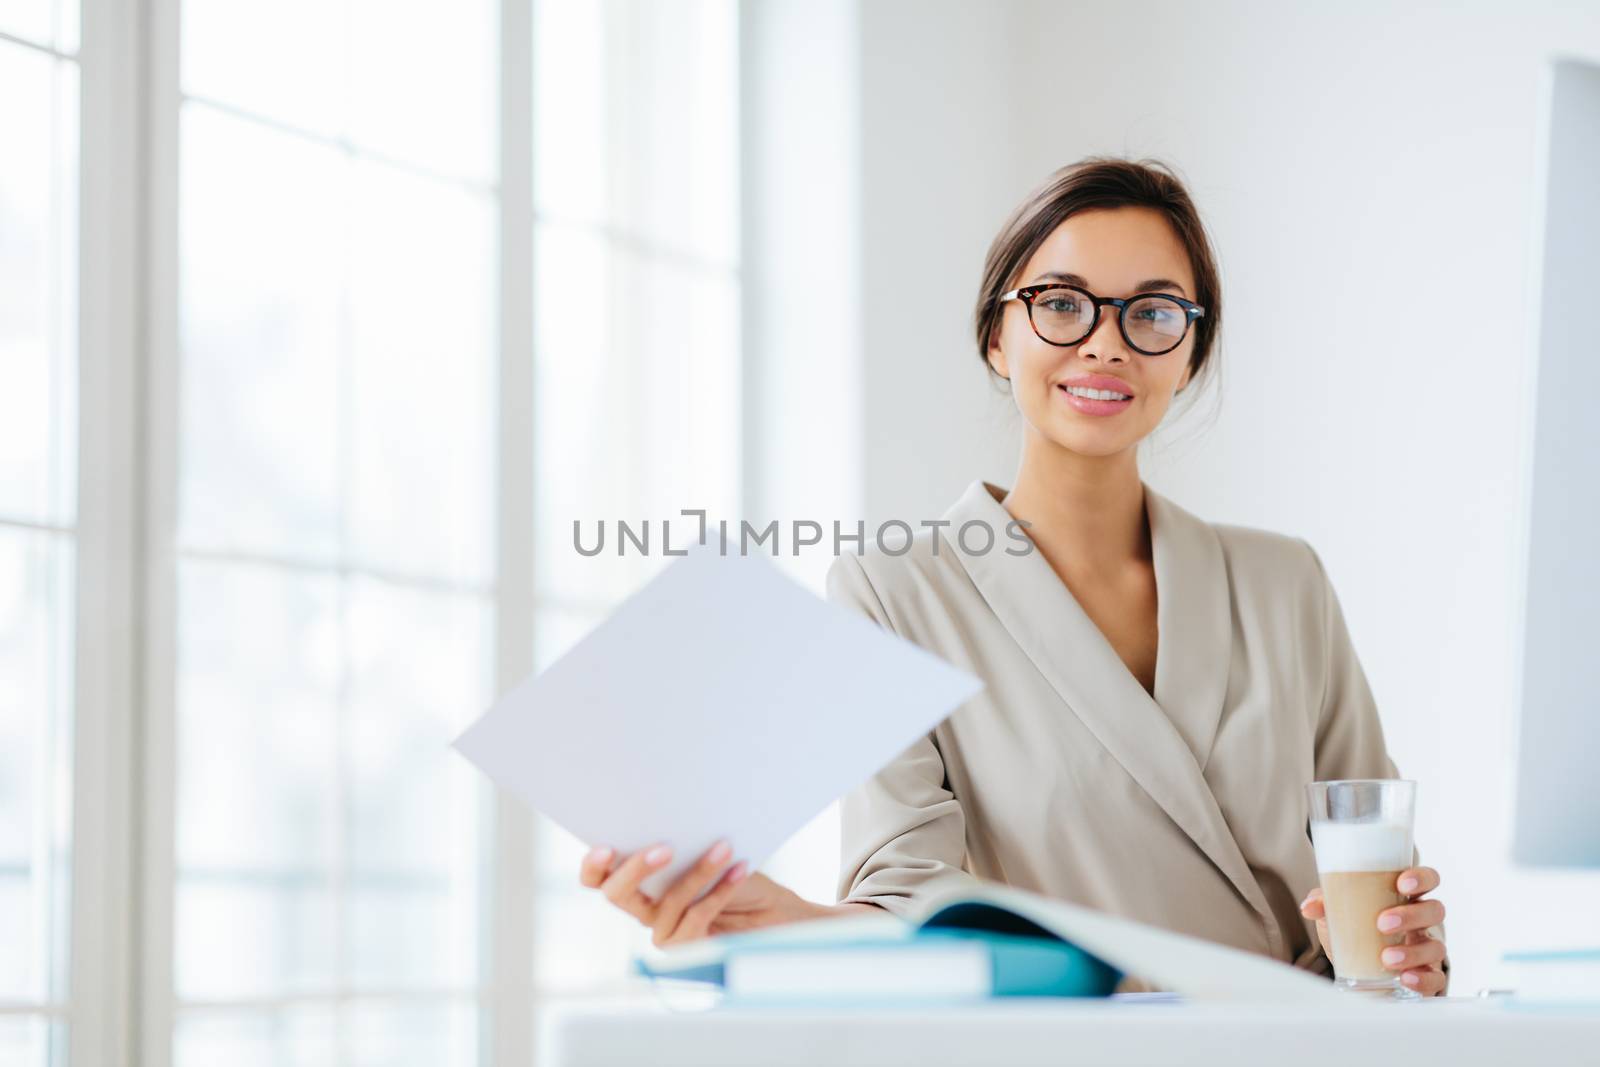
[28, 19]
[686, 332]
[258, 669]
[38, 485]
[383, 1035]
[68, 18]
[36, 608]
[378, 1034]
[282, 60]
[636, 120]
[419, 673]
[582, 941]
[586, 410]
[265, 325]
[30, 1040]
[38, 271]
[636, 393]
[411, 1035]
[422, 407]
[676, 181]
[263, 263]
[304, 1037]
[247, 933]
[401, 108]
[571, 106]
[415, 81]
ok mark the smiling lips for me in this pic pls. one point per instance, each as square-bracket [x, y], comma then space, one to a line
[1097, 394]
[1103, 382]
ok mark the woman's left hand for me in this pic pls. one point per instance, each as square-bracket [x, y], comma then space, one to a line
[1420, 957]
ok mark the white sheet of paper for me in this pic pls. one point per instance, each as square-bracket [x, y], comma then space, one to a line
[722, 699]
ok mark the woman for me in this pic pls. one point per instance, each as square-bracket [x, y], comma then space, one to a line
[1160, 780]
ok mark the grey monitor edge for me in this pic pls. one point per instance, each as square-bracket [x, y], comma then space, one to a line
[1557, 801]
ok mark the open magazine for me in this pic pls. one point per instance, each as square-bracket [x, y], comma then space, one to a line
[1030, 944]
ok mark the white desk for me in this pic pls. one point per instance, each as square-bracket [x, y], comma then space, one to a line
[1019, 1032]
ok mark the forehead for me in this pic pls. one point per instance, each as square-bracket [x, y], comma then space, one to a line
[1115, 249]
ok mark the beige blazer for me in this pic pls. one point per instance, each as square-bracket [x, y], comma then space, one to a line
[1065, 777]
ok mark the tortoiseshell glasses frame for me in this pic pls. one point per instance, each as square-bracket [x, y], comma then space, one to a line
[1029, 293]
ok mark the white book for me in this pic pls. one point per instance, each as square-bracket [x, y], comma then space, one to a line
[942, 970]
[1195, 968]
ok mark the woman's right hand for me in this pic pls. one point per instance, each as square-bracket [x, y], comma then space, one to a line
[739, 901]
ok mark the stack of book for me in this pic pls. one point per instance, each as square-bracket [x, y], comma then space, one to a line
[995, 941]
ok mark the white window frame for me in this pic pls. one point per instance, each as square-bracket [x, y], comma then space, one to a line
[109, 611]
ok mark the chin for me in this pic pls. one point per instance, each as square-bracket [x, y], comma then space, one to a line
[1090, 441]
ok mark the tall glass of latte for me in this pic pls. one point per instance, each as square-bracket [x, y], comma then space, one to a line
[1361, 833]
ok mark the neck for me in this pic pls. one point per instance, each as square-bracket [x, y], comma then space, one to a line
[1087, 512]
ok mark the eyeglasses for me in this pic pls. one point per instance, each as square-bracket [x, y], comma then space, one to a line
[1151, 323]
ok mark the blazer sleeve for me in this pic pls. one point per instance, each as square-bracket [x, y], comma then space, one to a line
[1349, 736]
[902, 832]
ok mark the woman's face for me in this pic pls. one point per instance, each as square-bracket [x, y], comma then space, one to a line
[1116, 252]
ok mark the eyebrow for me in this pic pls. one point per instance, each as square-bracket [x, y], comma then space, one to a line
[1146, 286]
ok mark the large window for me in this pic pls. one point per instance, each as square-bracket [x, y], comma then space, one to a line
[38, 484]
[410, 300]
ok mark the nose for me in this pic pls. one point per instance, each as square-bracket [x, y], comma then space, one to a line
[1105, 340]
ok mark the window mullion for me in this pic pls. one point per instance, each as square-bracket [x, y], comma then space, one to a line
[508, 946]
[110, 579]
[154, 1001]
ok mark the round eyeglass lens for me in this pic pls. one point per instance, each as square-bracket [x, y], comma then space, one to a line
[1156, 324]
[1062, 316]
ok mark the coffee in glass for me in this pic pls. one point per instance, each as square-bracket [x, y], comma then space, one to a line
[1361, 832]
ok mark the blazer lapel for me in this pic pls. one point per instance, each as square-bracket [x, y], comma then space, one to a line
[1163, 743]
[1194, 623]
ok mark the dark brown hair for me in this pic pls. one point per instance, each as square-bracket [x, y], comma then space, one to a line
[1091, 183]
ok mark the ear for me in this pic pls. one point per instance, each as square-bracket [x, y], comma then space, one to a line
[997, 360]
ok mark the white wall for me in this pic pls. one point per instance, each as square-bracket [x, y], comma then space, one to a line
[939, 175]
[1373, 161]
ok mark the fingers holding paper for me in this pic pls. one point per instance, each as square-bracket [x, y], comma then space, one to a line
[736, 900]
[679, 916]
[621, 886]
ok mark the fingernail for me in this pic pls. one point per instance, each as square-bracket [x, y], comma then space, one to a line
[740, 869]
[598, 854]
[721, 852]
[1392, 956]
[1408, 885]
[657, 855]
[1410, 978]
[1388, 922]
